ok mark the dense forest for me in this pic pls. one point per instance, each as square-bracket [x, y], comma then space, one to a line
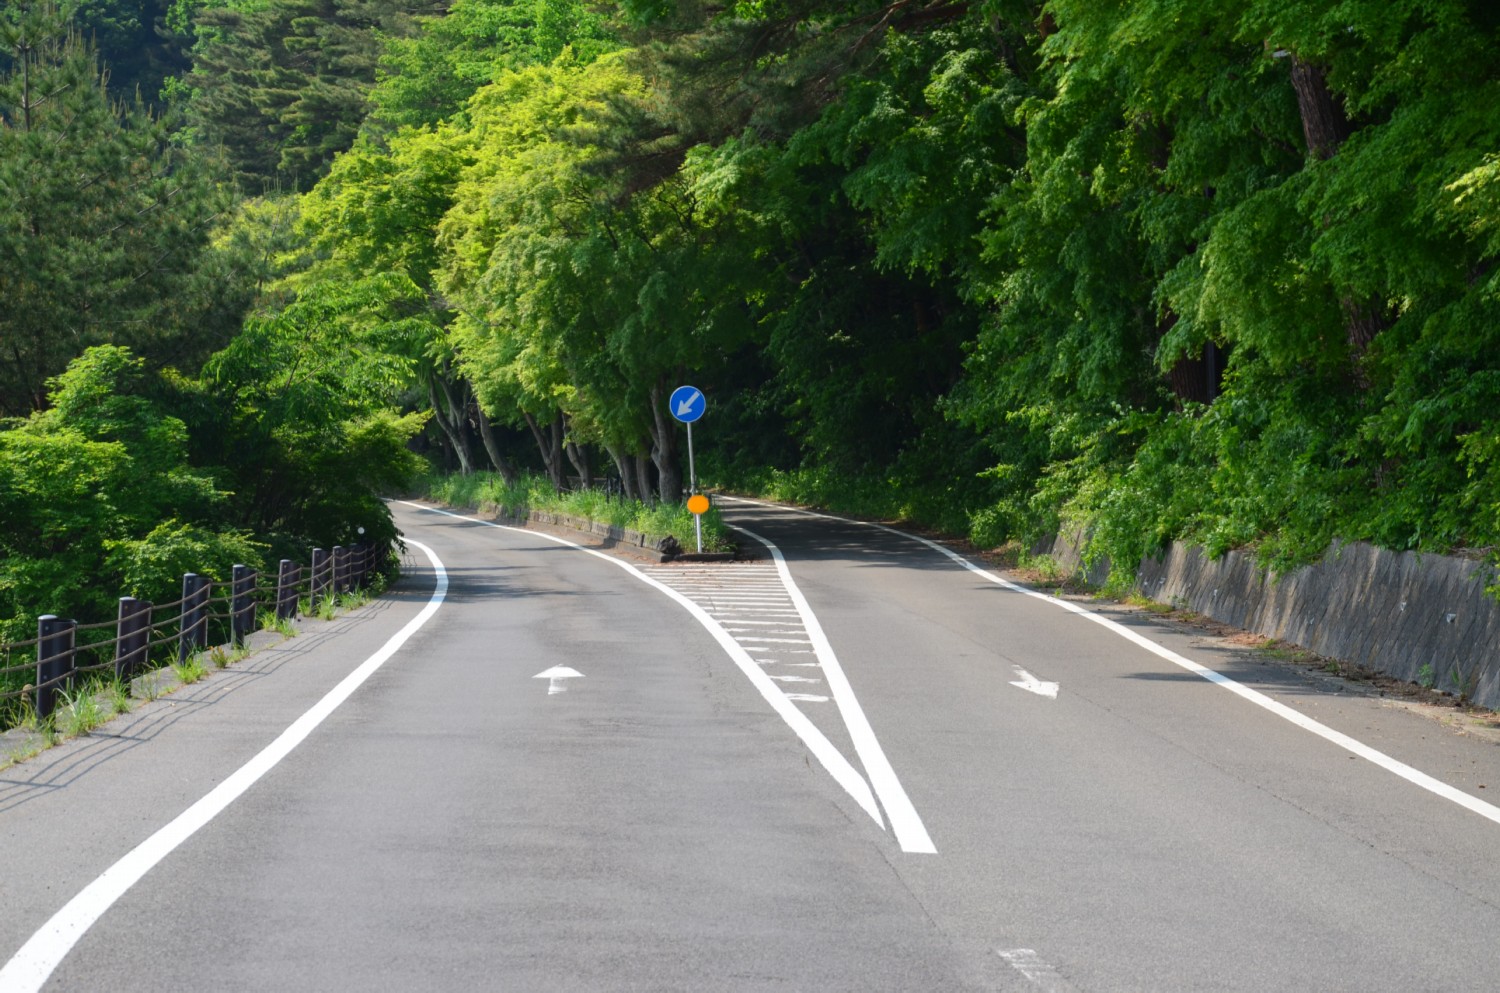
[1222, 270]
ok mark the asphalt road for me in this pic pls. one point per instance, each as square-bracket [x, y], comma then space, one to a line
[862, 768]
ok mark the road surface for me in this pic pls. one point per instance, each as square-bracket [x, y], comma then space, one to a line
[853, 764]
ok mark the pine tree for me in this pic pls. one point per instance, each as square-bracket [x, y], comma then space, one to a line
[102, 222]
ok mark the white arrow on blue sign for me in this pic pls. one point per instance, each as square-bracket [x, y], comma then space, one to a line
[687, 404]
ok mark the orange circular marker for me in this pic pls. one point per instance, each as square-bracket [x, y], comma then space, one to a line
[697, 504]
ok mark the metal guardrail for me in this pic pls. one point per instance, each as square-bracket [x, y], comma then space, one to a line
[60, 661]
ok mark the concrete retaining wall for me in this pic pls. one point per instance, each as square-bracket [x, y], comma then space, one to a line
[1395, 612]
[624, 536]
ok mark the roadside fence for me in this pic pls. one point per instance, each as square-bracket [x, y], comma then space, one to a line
[65, 652]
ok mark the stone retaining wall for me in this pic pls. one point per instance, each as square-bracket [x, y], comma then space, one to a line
[1395, 612]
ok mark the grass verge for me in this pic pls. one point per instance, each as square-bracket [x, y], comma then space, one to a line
[536, 493]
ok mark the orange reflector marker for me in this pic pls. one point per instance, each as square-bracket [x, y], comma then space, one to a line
[697, 504]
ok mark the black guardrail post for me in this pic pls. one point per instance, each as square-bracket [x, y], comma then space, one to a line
[288, 576]
[54, 659]
[340, 569]
[318, 586]
[131, 634]
[241, 604]
[192, 631]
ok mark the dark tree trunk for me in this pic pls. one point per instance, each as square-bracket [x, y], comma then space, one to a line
[579, 456]
[664, 448]
[502, 465]
[1325, 128]
[1199, 378]
[550, 444]
[625, 466]
[643, 480]
[450, 418]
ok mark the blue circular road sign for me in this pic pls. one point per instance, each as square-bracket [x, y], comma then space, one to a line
[687, 404]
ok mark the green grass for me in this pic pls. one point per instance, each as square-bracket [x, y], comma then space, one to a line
[81, 711]
[536, 493]
[283, 626]
[189, 671]
[119, 697]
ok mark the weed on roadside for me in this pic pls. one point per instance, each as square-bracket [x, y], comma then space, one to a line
[190, 670]
[80, 712]
[281, 625]
[119, 697]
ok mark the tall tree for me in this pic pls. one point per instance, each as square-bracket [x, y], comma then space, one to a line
[284, 85]
[103, 220]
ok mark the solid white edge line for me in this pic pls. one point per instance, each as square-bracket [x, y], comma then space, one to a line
[1378, 758]
[828, 756]
[31, 966]
[910, 832]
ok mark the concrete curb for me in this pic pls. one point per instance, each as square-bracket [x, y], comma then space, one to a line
[664, 548]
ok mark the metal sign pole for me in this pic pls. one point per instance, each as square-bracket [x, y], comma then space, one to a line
[687, 404]
[693, 488]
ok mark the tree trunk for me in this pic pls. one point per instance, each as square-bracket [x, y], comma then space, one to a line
[625, 466]
[450, 421]
[1326, 127]
[579, 456]
[549, 443]
[664, 448]
[1199, 378]
[502, 465]
[643, 479]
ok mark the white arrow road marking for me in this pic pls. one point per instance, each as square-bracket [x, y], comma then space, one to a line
[1031, 965]
[1375, 757]
[1031, 684]
[822, 749]
[29, 968]
[557, 674]
[686, 406]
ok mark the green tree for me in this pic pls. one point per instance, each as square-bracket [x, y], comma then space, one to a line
[283, 85]
[103, 221]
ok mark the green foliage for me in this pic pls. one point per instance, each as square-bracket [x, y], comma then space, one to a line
[283, 85]
[104, 222]
[430, 76]
[533, 492]
[81, 483]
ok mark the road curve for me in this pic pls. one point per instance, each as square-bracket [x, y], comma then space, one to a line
[713, 785]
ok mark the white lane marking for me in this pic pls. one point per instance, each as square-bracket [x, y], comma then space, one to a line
[828, 756]
[795, 679]
[556, 676]
[1031, 965]
[737, 620]
[783, 641]
[29, 968]
[910, 833]
[1392, 765]
[1032, 684]
[807, 698]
